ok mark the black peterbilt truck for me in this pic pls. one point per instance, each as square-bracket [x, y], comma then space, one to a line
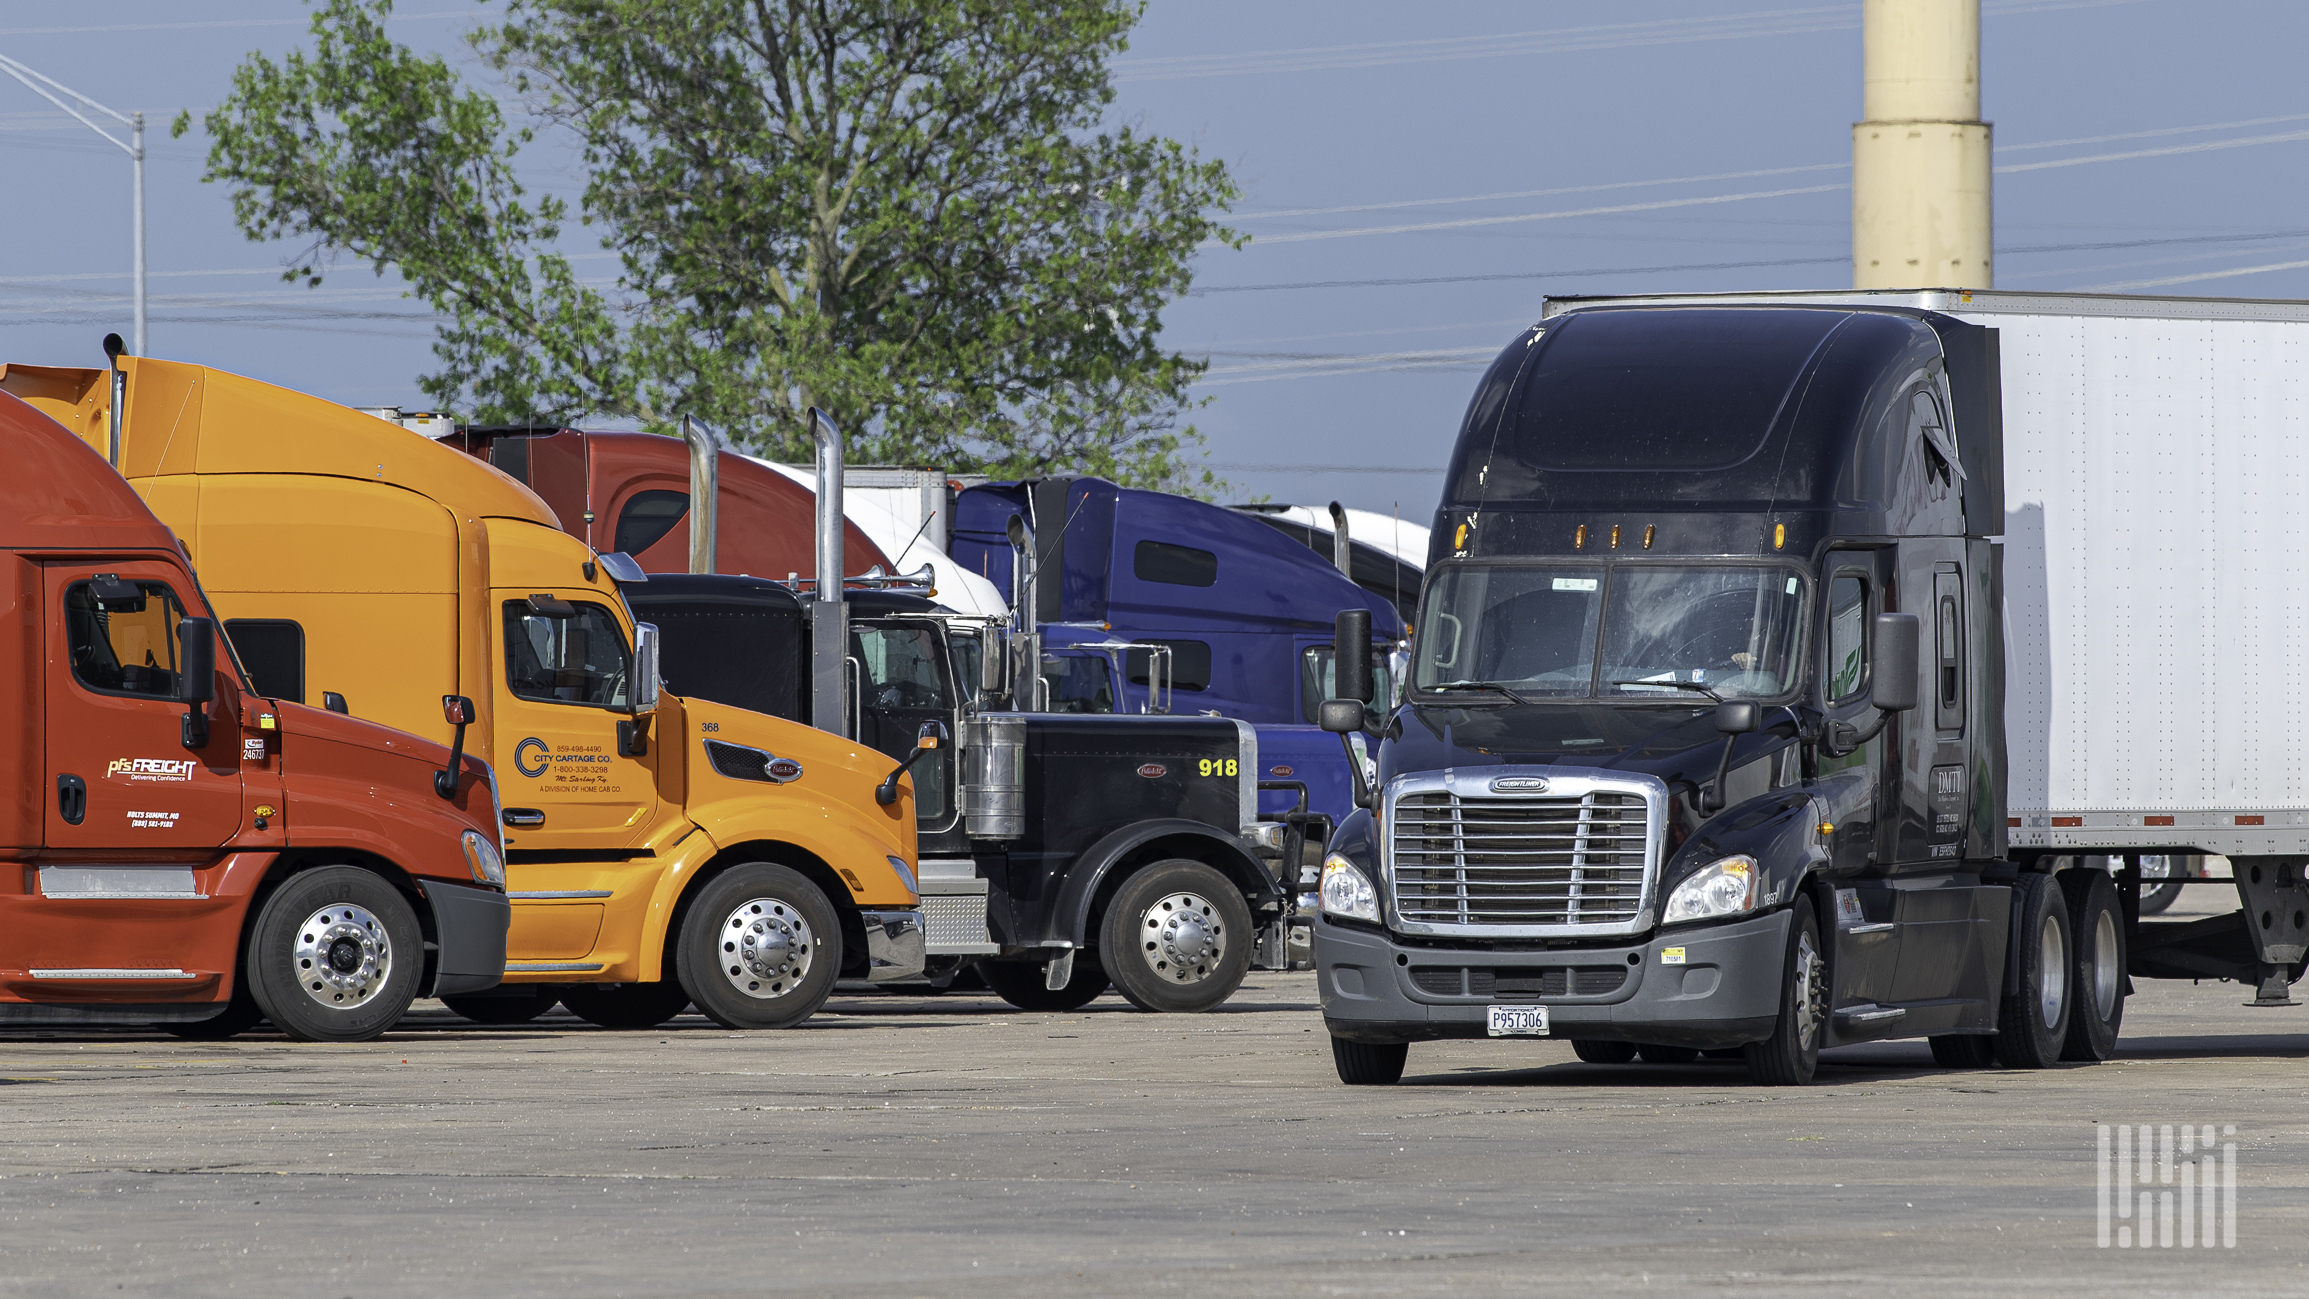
[1058, 852]
[1702, 745]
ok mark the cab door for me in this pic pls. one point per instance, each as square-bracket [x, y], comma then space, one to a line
[565, 683]
[903, 682]
[119, 779]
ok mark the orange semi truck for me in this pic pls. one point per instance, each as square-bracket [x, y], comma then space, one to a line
[660, 851]
[186, 851]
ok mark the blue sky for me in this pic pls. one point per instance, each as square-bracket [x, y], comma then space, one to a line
[1416, 178]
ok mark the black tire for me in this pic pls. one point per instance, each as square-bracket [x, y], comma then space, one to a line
[239, 1016]
[1026, 986]
[760, 947]
[1659, 1053]
[2032, 1024]
[1595, 1052]
[1791, 1055]
[2160, 895]
[1963, 1050]
[508, 1003]
[2096, 922]
[625, 1005]
[1369, 1064]
[1176, 937]
[335, 955]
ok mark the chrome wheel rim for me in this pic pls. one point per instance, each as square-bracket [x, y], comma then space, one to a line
[342, 958]
[2105, 972]
[767, 948]
[1812, 993]
[2051, 972]
[1182, 938]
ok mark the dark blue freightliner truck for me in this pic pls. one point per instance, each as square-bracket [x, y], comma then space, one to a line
[1689, 758]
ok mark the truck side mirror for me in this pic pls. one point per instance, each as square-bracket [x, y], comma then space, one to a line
[1892, 661]
[1340, 716]
[1734, 718]
[1351, 655]
[646, 644]
[932, 736]
[993, 661]
[459, 712]
[196, 677]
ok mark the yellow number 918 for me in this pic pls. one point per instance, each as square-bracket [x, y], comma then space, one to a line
[1219, 767]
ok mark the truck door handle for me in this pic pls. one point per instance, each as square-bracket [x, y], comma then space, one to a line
[523, 816]
[72, 799]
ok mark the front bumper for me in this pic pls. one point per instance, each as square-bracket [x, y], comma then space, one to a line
[894, 948]
[1725, 993]
[470, 924]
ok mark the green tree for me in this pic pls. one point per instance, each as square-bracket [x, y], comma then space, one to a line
[911, 213]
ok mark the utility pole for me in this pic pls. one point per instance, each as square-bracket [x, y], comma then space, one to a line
[1920, 163]
[49, 88]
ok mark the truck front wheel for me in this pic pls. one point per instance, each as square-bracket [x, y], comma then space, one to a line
[335, 955]
[760, 947]
[1177, 937]
[2097, 982]
[1369, 1064]
[1790, 1056]
[2032, 1025]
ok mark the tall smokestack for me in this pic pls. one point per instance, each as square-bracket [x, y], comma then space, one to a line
[1920, 163]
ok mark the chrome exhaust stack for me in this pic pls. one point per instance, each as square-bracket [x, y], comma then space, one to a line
[829, 615]
[705, 477]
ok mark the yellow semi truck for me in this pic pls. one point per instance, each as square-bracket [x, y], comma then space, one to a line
[659, 851]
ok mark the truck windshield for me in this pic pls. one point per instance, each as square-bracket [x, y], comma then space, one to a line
[1618, 631]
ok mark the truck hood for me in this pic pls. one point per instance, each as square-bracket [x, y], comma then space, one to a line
[418, 754]
[1675, 742]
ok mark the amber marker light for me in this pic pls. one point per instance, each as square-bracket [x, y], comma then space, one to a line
[1459, 540]
[1579, 537]
[1650, 530]
[1615, 536]
[1779, 535]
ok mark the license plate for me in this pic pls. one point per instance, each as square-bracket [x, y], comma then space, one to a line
[1517, 1021]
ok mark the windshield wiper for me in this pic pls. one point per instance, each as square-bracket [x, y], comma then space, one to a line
[1676, 685]
[1492, 686]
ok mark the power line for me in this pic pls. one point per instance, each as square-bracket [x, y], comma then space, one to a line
[1767, 171]
[1400, 281]
[217, 22]
[1513, 275]
[1565, 40]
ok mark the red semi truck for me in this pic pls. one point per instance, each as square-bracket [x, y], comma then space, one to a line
[186, 852]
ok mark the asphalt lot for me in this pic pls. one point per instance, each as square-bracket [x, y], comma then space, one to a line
[954, 1146]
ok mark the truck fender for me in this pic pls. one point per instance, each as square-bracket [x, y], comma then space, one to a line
[1084, 883]
[1780, 830]
[1357, 839]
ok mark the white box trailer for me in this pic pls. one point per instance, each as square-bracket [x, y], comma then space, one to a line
[2156, 616]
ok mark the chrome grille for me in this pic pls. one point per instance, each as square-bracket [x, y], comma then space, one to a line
[1577, 859]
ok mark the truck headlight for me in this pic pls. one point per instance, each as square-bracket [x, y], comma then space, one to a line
[481, 858]
[1725, 887]
[1347, 891]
